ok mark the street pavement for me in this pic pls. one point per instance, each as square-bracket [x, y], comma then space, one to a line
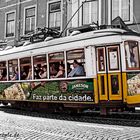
[24, 127]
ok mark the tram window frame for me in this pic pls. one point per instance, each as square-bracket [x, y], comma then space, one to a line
[109, 59]
[3, 67]
[115, 84]
[39, 66]
[130, 59]
[28, 73]
[57, 63]
[13, 70]
[101, 61]
[71, 61]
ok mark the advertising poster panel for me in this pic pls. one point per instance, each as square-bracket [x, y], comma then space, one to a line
[70, 91]
[133, 83]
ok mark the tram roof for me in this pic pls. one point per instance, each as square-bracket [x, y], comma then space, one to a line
[64, 40]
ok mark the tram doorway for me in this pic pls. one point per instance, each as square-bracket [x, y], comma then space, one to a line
[109, 73]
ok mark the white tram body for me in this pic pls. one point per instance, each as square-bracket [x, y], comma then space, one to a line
[111, 61]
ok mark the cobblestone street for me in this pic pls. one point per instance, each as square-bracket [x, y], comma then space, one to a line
[23, 127]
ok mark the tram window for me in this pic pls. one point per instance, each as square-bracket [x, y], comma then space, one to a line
[56, 65]
[25, 68]
[13, 72]
[131, 54]
[3, 71]
[75, 63]
[113, 58]
[114, 84]
[40, 67]
[102, 85]
[101, 63]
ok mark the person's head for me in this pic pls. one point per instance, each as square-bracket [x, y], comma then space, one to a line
[61, 67]
[38, 65]
[44, 68]
[75, 63]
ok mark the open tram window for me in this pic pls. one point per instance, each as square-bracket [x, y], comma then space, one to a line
[3, 71]
[25, 68]
[40, 67]
[13, 72]
[131, 54]
[113, 58]
[76, 63]
[101, 63]
[56, 65]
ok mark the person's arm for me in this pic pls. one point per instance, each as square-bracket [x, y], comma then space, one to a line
[72, 73]
[58, 74]
[29, 76]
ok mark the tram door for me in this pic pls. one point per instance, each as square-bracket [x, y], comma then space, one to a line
[109, 73]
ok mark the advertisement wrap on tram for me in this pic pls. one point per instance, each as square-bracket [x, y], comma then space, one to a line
[94, 69]
[71, 91]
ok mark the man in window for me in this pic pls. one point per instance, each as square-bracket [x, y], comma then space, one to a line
[78, 70]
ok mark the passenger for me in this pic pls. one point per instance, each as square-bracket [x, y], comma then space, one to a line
[53, 70]
[3, 75]
[29, 76]
[37, 70]
[68, 68]
[23, 73]
[61, 72]
[77, 70]
[43, 72]
[16, 75]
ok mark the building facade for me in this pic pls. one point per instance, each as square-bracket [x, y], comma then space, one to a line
[21, 17]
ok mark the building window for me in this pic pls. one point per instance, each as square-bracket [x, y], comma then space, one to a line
[121, 8]
[90, 12]
[10, 24]
[29, 20]
[54, 20]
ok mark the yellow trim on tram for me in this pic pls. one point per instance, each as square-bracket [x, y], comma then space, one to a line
[105, 95]
[116, 96]
[124, 82]
[95, 91]
[133, 99]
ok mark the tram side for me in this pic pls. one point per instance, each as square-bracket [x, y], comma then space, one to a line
[131, 72]
[118, 70]
[74, 73]
[45, 75]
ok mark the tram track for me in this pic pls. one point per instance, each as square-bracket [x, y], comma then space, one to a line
[115, 118]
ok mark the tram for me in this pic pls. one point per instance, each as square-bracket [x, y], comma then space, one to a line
[94, 70]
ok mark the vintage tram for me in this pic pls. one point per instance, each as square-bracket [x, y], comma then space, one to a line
[38, 75]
